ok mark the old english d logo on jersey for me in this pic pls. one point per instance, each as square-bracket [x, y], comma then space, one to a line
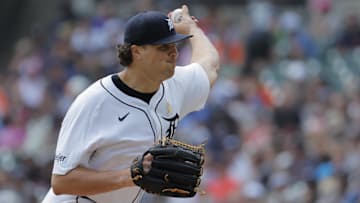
[172, 125]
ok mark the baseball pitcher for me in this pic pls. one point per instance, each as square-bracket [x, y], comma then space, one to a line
[115, 141]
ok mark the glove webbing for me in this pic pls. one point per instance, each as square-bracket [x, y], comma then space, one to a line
[195, 148]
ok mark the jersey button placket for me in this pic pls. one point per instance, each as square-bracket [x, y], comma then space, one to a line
[155, 119]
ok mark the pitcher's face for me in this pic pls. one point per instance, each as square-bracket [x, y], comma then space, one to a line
[160, 60]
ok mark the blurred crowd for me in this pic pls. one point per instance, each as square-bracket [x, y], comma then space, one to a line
[282, 124]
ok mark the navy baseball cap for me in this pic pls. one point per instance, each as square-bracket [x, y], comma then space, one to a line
[151, 27]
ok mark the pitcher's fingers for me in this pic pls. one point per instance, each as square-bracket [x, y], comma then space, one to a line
[147, 162]
[185, 9]
[148, 157]
[194, 19]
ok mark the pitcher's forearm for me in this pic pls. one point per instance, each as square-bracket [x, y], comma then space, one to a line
[83, 181]
[204, 53]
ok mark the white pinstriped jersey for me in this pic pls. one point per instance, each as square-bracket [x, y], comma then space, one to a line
[105, 129]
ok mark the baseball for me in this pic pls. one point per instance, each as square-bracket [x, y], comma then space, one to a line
[176, 15]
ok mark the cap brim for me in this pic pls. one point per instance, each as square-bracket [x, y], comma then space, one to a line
[172, 39]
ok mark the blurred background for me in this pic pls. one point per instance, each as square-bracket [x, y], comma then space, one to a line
[282, 124]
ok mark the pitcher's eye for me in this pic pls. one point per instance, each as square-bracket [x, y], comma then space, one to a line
[166, 47]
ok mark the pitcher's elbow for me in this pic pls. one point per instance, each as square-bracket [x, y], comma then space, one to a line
[216, 62]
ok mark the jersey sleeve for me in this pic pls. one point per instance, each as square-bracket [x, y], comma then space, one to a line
[77, 140]
[195, 87]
